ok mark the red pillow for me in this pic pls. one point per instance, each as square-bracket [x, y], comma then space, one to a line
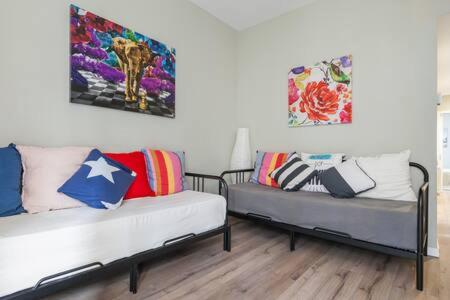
[135, 161]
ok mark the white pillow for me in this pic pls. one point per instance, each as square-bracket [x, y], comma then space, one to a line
[320, 162]
[391, 173]
[44, 171]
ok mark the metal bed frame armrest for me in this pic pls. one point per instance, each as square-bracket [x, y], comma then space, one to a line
[422, 210]
[422, 225]
[422, 218]
[198, 182]
[239, 174]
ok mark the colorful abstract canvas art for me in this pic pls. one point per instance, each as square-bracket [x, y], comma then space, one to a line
[115, 67]
[321, 94]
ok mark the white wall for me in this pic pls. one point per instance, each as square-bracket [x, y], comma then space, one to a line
[393, 44]
[444, 55]
[34, 81]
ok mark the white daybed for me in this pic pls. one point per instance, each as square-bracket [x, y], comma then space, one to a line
[33, 247]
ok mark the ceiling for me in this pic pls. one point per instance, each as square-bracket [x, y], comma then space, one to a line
[241, 14]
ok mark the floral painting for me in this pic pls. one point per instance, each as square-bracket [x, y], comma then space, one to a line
[321, 94]
[115, 67]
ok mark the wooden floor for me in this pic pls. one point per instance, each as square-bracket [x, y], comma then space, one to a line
[260, 266]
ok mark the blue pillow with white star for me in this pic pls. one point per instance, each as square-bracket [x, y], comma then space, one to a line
[100, 182]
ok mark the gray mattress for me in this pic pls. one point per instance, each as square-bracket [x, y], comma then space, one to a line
[390, 223]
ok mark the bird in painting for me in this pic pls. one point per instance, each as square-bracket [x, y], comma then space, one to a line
[336, 73]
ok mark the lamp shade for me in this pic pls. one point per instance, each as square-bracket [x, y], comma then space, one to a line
[241, 157]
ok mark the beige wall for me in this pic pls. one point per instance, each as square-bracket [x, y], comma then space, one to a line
[34, 80]
[393, 45]
[444, 54]
[394, 78]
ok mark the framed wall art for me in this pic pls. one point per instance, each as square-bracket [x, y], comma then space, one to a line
[115, 67]
[321, 94]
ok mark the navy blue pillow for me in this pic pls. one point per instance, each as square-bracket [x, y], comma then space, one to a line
[100, 182]
[10, 182]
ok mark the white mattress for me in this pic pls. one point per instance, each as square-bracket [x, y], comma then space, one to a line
[35, 246]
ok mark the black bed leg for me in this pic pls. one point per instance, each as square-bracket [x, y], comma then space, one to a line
[419, 272]
[227, 239]
[134, 277]
[292, 240]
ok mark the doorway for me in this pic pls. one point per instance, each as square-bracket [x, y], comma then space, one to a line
[443, 108]
[444, 151]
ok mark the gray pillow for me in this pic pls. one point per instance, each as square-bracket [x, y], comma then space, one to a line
[346, 180]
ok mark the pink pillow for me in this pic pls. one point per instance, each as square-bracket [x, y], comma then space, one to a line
[44, 171]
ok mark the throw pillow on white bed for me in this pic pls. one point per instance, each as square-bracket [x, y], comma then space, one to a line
[391, 172]
[44, 171]
[320, 162]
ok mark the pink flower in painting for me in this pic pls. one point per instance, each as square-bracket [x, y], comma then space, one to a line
[318, 101]
[341, 88]
[293, 91]
[346, 113]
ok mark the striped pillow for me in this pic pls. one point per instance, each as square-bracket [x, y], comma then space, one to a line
[293, 174]
[165, 171]
[265, 163]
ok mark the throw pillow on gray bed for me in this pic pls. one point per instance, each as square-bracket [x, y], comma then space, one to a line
[346, 180]
[320, 162]
[293, 174]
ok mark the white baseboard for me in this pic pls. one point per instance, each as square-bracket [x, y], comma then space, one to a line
[434, 252]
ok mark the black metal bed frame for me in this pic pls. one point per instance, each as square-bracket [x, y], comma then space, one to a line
[96, 270]
[342, 237]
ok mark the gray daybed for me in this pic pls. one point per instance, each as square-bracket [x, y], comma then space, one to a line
[392, 227]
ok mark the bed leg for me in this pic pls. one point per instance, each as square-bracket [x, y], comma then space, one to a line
[292, 240]
[227, 239]
[419, 272]
[134, 277]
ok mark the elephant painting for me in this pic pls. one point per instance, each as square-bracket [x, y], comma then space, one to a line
[133, 59]
[115, 67]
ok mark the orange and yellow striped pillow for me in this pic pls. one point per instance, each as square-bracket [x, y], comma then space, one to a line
[265, 163]
[165, 171]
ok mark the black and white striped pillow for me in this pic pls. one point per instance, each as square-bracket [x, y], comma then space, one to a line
[346, 180]
[293, 174]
